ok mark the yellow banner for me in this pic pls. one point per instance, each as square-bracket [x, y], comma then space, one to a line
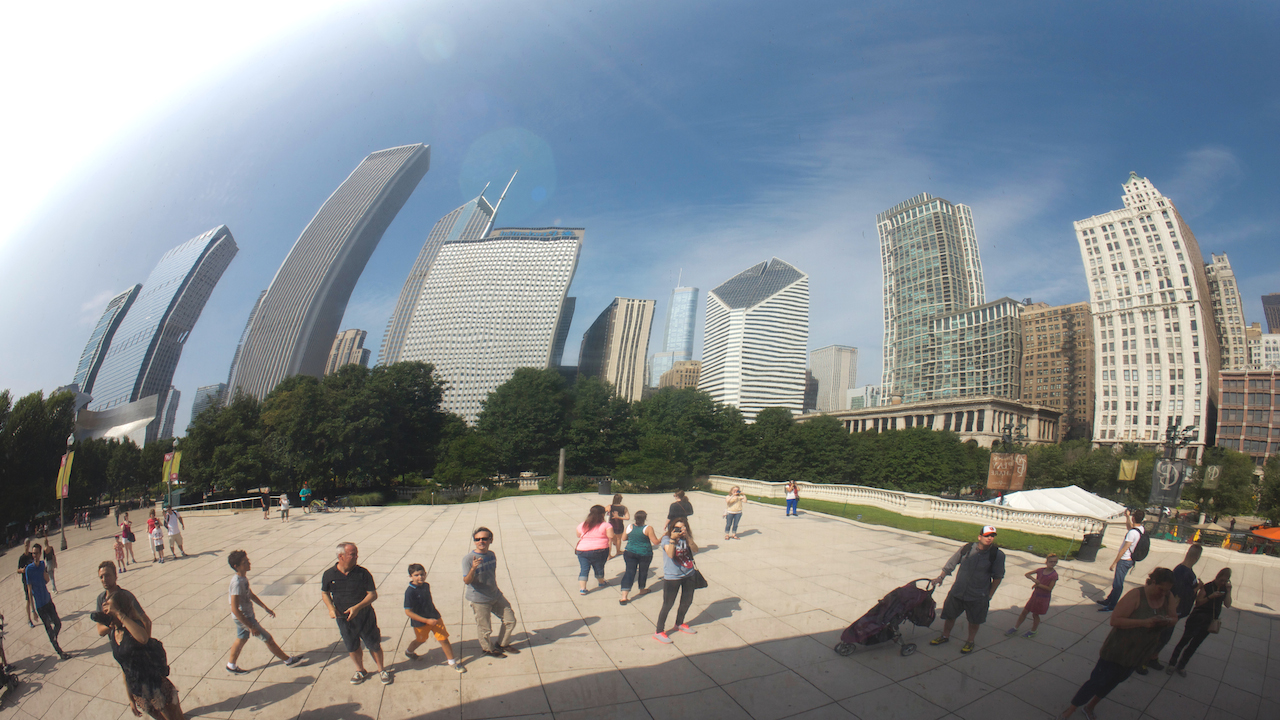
[1128, 470]
[64, 476]
[173, 469]
[164, 469]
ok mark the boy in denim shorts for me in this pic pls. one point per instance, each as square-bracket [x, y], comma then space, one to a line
[242, 600]
[424, 617]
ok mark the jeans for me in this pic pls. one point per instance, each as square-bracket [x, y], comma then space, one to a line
[637, 570]
[1117, 584]
[731, 522]
[52, 623]
[1105, 677]
[592, 560]
[683, 586]
[1192, 636]
[484, 613]
[792, 506]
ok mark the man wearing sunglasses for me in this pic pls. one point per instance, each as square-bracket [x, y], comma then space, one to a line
[479, 569]
[981, 566]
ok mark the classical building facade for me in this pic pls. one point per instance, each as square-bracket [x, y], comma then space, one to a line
[614, 348]
[297, 318]
[753, 347]
[347, 349]
[100, 339]
[683, 374]
[983, 420]
[1155, 336]
[1057, 363]
[1249, 413]
[490, 306]
[1228, 313]
[677, 333]
[929, 254]
[835, 367]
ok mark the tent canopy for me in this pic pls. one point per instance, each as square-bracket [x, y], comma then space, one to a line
[1072, 500]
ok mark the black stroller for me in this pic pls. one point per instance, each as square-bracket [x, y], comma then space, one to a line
[880, 624]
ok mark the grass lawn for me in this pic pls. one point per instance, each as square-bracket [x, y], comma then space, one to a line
[1012, 539]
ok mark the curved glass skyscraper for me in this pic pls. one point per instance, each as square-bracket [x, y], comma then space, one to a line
[294, 324]
[677, 335]
[100, 340]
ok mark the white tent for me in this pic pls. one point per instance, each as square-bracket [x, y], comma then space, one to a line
[1072, 500]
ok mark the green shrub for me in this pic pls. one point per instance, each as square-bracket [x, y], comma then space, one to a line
[548, 486]
[366, 499]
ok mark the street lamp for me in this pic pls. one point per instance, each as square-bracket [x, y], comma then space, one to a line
[1176, 437]
[1013, 433]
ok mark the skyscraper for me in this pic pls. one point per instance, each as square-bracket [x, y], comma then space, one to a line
[347, 349]
[616, 344]
[207, 396]
[244, 335]
[100, 339]
[975, 352]
[1271, 311]
[1228, 313]
[491, 306]
[295, 322]
[929, 253]
[562, 331]
[677, 334]
[168, 414]
[1157, 344]
[1057, 363]
[753, 349]
[148, 344]
[470, 221]
[835, 367]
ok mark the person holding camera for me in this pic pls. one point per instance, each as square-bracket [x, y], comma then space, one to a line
[1124, 561]
[677, 577]
[143, 664]
[1210, 597]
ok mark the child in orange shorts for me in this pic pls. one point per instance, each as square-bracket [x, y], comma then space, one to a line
[424, 617]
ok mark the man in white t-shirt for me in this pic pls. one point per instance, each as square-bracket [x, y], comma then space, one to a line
[1124, 560]
[174, 525]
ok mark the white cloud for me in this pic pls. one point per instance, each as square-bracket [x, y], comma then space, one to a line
[1202, 178]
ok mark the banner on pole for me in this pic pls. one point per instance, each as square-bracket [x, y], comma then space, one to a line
[173, 468]
[64, 476]
[164, 469]
[1167, 478]
[1211, 475]
[1007, 471]
[1128, 470]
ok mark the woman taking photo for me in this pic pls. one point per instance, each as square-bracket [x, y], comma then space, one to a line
[145, 673]
[1208, 608]
[677, 577]
[638, 555]
[733, 512]
[1136, 623]
[617, 514]
[594, 537]
[681, 508]
[127, 536]
[793, 498]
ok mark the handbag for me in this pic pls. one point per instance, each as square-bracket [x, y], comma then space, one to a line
[699, 582]
[1215, 625]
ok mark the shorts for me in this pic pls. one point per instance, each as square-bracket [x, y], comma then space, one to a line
[975, 611]
[159, 546]
[243, 631]
[284, 512]
[440, 631]
[363, 629]
[175, 537]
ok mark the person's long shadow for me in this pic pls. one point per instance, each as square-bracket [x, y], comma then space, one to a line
[718, 610]
[1090, 591]
[259, 698]
[345, 711]
[568, 628]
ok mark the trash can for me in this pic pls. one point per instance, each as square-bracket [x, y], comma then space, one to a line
[1089, 547]
[606, 486]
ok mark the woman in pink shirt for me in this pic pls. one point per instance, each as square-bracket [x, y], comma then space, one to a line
[594, 537]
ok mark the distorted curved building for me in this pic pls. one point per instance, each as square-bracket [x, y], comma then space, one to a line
[756, 339]
[104, 332]
[297, 318]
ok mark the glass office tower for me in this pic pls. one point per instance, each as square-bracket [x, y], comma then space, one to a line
[100, 340]
[677, 335]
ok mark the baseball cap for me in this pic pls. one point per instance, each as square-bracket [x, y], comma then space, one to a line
[988, 530]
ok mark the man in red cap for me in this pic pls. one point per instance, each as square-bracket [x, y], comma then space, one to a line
[981, 566]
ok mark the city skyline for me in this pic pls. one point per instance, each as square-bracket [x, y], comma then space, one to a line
[835, 136]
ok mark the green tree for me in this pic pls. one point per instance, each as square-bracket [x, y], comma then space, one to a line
[655, 462]
[526, 419]
[1234, 494]
[823, 447]
[1269, 505]
[34, 439]
[703, 436]
[468, 459]
[409, 395]
[223, 449]
[600, 428]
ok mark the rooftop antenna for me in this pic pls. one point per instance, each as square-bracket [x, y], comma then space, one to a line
[494, 216]
[486, 187]
[679, 277]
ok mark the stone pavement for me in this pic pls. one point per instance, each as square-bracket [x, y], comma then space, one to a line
[777, 602]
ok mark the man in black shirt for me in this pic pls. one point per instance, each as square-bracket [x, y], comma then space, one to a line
[348, 591]
[25, 559]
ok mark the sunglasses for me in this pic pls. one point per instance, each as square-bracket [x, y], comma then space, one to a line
[484, 539]
[989, 535]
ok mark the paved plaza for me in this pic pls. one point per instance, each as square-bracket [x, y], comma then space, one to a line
[778, 599]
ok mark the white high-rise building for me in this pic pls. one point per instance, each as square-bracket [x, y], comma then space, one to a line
[615, 346]
[835, 367]
[490, 306]
[1156, 339]
[753, 349]
[1228, 313]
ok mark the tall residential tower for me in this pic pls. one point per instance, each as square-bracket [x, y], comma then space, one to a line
[100, 339]
[1228, 313]
[835, 367]
[615, 346]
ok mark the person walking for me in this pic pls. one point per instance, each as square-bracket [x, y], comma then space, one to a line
[678, 577]
[25, 559]
[242, 600]
[641, 540]
[143, 662]
[1124, 561]
[1185, 586]
[1210, 598]
[264, 497]
[425, 618]
[595, 536]
[618, 515]
[51, 560]
[348, 590]
[1042, 582]
[793, 498]
[37, 574]
[733, 512]
[284, 507]
[127, 536]
[981, 566]
[480, 575]
[681, 508]
[1136, 623]
[119, 548]
[156, 538]
[304, 496]
[174, 525]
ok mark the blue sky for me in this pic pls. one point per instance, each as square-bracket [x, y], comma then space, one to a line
[703, 137]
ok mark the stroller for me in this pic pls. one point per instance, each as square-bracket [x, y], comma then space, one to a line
[880, 624]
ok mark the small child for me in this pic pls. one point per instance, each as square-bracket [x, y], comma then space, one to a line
[424, 617]
[242, 600]
[1043, 581]
[120, 554]
[157, 542]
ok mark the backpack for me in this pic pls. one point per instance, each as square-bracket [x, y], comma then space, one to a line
[1140, 549]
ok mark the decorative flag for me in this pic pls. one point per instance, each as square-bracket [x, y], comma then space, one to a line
[64, 476]
[1007, 471]
[1211, 475]
[173, 468]
[1128, 470]
[164, 469]
[1167, 478]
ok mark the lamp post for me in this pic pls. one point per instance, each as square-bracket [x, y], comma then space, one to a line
[1176, 437]
[1013, 433]
[62, 502]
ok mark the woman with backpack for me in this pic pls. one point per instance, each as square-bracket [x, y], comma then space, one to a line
[141, 657]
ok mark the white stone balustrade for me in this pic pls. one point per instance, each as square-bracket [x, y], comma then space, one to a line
[927, 506]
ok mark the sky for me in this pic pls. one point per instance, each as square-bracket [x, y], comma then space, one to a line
[690, 140]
